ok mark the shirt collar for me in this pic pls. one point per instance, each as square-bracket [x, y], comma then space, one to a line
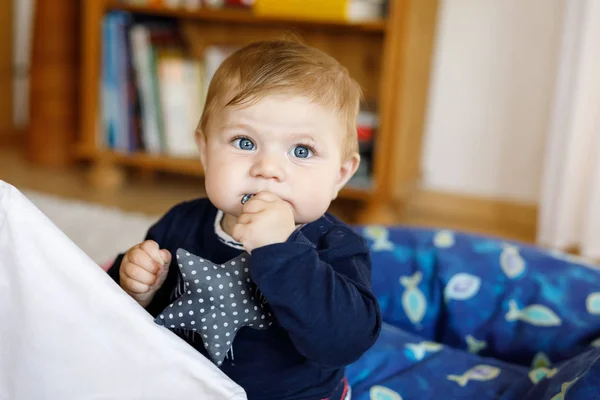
[224, 236]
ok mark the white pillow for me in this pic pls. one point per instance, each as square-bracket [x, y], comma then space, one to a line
[67, 331]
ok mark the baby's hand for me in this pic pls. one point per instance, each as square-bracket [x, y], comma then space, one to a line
[265, 219]
[143, 271]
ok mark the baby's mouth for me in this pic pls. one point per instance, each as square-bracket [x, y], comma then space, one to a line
[246, 197]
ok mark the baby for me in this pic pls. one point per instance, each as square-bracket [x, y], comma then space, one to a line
[277, 141]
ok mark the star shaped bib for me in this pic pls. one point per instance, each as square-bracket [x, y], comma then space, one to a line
[218, 300]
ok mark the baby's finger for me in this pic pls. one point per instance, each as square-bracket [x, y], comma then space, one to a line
[266, 196]
[238, 232]
[254, 206]
[166, 256]
[244, 219]
[134, 286]
[153, 250]
[139, 274]
[142, 259]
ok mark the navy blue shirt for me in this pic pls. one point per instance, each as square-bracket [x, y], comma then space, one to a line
[317, 284]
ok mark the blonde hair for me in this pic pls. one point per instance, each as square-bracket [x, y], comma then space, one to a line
[286, 66]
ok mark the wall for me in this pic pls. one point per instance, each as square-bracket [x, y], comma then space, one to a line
[489, 102]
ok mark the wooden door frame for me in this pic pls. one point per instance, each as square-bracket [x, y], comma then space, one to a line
[408, 49]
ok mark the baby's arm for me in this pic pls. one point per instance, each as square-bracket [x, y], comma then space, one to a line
[327, 308]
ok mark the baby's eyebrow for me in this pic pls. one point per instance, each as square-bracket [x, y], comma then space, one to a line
[303, 136]
[244, 127]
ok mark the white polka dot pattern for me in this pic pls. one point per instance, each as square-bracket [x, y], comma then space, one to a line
[227, 295]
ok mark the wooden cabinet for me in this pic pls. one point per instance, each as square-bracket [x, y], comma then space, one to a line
[389, 58]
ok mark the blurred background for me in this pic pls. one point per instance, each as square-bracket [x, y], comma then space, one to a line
[479, 115]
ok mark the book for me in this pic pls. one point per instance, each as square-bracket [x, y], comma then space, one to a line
[115, 98]
[330, 10]
[141, 46]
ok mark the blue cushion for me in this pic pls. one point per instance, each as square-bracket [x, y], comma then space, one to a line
[507, 299]
[503, 305]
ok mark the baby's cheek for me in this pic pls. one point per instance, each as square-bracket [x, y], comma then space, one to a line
[225, 169]
[315, 200]
[219, 183]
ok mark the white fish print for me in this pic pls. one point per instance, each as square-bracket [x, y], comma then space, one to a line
[382, 393]
[595, 343]
[540, 360]
[413, 300]
[536, 375]
[564, 388]
[420, 349]
[511, 262]
[592, 303]
[474, 345]
[379, 235]
[479, 372]
[462, 286]
[535, 314]
[444, 239]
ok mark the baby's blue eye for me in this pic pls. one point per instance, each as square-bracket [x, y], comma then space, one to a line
[244, 144]
[302, 152]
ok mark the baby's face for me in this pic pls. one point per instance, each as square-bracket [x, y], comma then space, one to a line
[282, 144]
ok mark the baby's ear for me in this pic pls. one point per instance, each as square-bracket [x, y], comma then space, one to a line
[201, 143]
[347, 171]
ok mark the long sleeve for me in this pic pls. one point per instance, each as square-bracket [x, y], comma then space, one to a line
[322, 299]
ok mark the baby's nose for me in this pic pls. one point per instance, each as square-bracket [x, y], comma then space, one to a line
[267, 167]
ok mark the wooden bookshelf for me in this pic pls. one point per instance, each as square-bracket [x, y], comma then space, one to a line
[389, 58]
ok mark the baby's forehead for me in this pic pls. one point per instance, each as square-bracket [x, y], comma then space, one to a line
[296, 110]
[281, 115]
[282, 125]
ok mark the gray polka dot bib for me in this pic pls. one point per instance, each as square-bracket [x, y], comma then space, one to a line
[218, 300]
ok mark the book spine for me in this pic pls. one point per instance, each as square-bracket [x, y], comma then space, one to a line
[142, 59]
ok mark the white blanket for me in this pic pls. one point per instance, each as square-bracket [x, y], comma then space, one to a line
[67, 331]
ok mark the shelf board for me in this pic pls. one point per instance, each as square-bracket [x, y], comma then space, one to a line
[158, 162]
[241, 16]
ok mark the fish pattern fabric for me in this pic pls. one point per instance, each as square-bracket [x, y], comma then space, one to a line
[469, 316]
